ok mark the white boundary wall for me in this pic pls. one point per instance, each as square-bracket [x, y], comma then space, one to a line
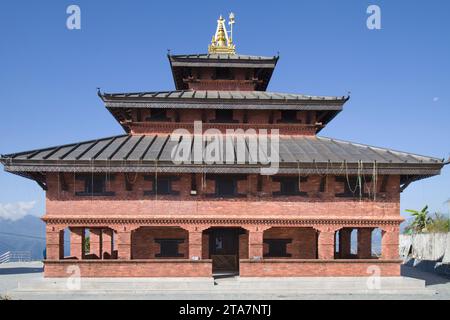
[426, 246]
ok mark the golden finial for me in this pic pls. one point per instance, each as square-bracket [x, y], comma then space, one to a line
[221, 42]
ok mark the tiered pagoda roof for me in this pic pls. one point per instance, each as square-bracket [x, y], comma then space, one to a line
[152, 152]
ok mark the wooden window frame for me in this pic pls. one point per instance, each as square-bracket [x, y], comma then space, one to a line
[89, 185]
[174, 242]
[297, 191]
[273, 253]
[155, 180]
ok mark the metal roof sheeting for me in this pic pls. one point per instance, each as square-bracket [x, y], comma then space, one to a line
[292, 149]
[216, 95]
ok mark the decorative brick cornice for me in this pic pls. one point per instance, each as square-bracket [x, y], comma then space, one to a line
[273, 222]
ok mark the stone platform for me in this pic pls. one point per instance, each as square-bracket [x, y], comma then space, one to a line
[211, 287]
[25, 281]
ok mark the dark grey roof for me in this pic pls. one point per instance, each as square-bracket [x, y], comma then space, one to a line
[235, 99]
[224, 60]
[144, 153]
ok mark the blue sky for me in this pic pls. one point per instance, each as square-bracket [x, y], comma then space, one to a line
[399, 76]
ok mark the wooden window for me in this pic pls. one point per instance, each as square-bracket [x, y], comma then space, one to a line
[161, 185]
[138, 115]
[226, 185]
[308, 117]
[169, 248]
[384, 183]
[259, 186]
[62, 182]
[224, 116]
[323, 184]
[352, 187]
[289, 116]
[289, 186]
[277, 248]
[158, 114]
[223, 74]
[95, 185]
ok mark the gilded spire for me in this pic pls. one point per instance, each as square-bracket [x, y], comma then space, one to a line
[221, 42]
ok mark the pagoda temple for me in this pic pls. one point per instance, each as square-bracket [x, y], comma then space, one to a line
[132, 211]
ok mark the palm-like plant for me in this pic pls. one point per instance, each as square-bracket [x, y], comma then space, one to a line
[421, 220]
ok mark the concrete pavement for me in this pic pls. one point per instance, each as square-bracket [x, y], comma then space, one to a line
[25, 281]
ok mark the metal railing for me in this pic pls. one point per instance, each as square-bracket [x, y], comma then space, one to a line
[15, 256]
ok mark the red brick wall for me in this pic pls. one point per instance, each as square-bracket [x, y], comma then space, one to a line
[303, 245]
[131, 268]
[143, 241]
[317, 268]
[128, 203]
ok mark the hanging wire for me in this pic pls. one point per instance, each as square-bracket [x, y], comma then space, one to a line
[360, 183]
[108, 173]
[348, 179]
[375, 180]
[92, 178]
[74, 179]
[59, 185]
[155, 186]
[128, 178]
[318, 170]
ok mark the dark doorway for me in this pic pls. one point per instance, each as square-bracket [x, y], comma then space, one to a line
[224, 250]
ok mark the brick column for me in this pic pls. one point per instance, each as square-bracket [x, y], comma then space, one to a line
[345, 242]
[107, 243]
[195, 242]
[124, 244]
[54, 243]
[95, 242]
[390, 243]
[77, 243]
[256, 242]
[325, 243]
[364, 243]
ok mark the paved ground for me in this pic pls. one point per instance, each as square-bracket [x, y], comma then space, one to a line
[13, 274]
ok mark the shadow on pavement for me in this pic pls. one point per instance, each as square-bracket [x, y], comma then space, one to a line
[20, 270]
[429, 277]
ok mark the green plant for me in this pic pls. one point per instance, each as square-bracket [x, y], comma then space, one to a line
[420, 222]
[439, 223]
[87, 245]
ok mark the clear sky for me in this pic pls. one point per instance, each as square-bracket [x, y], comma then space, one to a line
[399, 76]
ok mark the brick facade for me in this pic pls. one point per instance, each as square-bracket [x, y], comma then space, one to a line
[191, 224]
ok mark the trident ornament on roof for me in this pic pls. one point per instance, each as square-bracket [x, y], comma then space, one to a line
[222, 41]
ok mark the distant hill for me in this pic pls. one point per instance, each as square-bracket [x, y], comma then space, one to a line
[26, 234]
